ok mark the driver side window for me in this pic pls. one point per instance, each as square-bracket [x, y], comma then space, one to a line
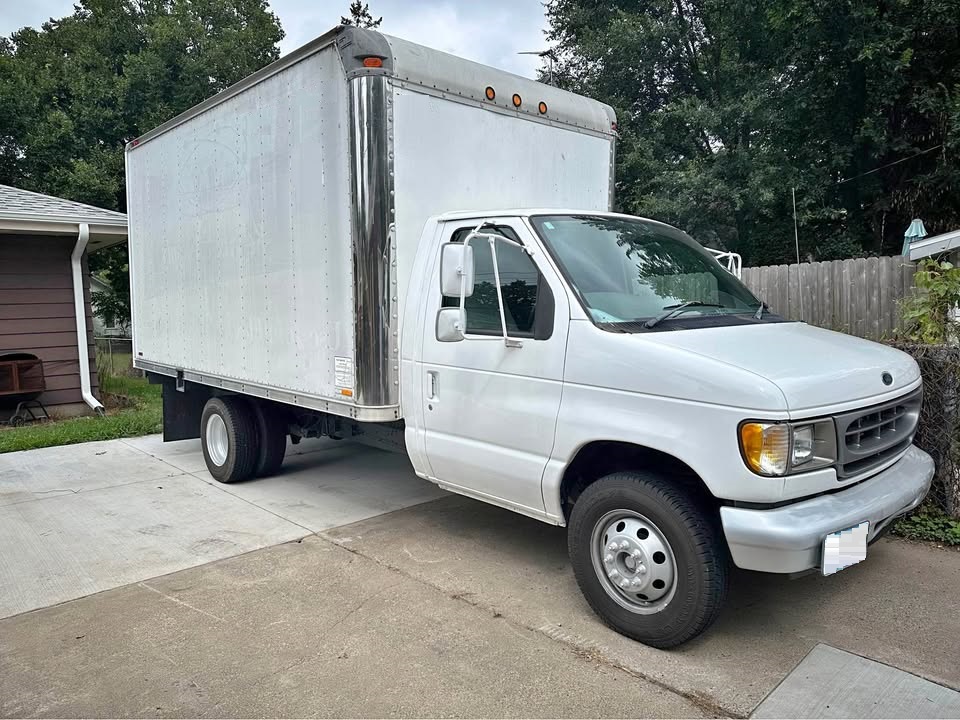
[527, 300]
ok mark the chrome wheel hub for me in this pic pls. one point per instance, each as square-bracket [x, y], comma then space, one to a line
[215, 435]
[633, 561]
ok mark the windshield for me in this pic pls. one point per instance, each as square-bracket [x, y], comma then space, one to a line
[627, 269]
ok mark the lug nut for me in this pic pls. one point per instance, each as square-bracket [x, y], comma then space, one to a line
[624, 545]
[613, 574]
[608, 558]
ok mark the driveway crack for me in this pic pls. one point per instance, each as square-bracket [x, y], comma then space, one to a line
[179, 602]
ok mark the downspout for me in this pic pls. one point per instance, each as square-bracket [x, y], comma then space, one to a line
[80, 309]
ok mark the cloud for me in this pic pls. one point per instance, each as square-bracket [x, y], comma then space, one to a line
[491, 32]
[15, 15]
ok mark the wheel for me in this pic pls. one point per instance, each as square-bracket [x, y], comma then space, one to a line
[228, 434]
[272, 439]
[17, 421]
[649, 561]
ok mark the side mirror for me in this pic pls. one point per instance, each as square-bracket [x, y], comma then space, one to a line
[456, 270]
[451, 324]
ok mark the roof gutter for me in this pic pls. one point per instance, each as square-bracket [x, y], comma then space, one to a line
[80, 308]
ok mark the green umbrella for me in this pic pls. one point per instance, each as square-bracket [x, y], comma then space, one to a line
[916, 231]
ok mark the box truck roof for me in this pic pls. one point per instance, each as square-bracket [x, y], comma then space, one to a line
[431, 71]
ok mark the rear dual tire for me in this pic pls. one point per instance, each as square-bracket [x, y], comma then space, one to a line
[272, 437]
[241, 439]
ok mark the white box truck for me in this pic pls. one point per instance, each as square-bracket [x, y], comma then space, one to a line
[331, 247]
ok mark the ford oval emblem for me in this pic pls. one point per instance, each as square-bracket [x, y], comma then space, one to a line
[887, 378]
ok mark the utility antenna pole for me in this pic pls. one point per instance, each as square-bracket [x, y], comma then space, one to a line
[796, 241]
[796, 234]
[548, 54]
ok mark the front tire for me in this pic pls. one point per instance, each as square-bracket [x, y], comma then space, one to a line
[648, 559]
[228, 435]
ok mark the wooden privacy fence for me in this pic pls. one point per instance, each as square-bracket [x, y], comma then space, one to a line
[861, 297]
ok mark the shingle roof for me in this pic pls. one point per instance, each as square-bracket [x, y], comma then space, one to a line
[26, 205]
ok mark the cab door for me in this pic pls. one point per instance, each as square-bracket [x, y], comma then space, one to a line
[490, 410]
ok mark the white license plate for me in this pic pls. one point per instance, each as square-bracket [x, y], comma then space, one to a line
[844, 548]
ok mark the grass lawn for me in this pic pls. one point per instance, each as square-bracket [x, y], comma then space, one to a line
[113, 364]
[133, 408]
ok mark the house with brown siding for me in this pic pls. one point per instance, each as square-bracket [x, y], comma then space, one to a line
[45, 310]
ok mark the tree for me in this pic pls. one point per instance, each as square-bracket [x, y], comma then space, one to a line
[360, 16]
[725, 105]
[112, 266]
[73, 93]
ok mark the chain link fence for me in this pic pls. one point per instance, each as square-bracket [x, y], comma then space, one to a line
[939, 429]
[115, 357]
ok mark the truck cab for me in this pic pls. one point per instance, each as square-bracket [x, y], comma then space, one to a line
[606, 373]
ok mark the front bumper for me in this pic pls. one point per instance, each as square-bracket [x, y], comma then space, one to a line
[788, 539]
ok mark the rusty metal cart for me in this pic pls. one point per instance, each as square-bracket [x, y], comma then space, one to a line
[21, 383]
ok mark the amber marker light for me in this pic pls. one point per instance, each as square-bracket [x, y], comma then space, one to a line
[766, 447]
[490, 93]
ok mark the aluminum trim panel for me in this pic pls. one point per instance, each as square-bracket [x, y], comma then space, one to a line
[375, 308]
[304, 400]
[490, 107]
[465, 79]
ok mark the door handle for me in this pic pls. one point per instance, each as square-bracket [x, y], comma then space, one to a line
[431, 385]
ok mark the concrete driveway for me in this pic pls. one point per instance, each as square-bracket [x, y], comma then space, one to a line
[393, 605]
[79, 519]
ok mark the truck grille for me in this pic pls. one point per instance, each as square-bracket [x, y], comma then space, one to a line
[868, 438]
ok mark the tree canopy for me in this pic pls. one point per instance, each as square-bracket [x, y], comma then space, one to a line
[73, 93]
[725, 105]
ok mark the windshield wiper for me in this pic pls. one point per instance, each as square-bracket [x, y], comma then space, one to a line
[673, 310]
[763, 306]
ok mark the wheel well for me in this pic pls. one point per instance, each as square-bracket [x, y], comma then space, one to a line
[597, 459]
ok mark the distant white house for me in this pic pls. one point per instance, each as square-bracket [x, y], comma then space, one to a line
[100, 329]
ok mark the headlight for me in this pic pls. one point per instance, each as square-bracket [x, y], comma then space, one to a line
[770, 448]
[802, 445]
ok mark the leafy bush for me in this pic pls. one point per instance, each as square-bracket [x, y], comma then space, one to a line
[929, 524]
[928, 314]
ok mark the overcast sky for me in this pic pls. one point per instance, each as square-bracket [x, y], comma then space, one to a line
[489, 31]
